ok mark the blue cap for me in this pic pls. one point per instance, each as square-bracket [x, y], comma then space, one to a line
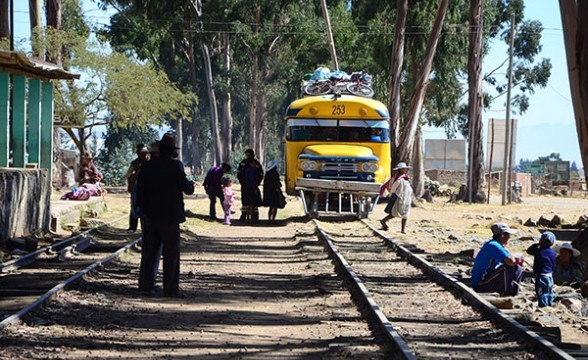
[549, 236]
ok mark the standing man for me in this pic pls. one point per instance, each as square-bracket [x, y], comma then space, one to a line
[132, 175]
[214, 188]
[246, 188]
[160, 187]
[495, 269]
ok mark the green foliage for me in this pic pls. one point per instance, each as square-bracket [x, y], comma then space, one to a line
[119, 150]
[138, 94]
[290, 39]
[5, 44]
[550, 157]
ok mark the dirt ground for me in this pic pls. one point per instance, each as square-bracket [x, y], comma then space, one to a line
[443, 227]
[258, 291]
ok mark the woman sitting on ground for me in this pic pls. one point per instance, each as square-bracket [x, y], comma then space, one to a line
[89, 173]
[569, 270]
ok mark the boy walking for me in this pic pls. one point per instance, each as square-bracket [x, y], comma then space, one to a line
[543, 267]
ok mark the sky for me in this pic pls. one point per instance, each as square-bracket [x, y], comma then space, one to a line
[547, 127]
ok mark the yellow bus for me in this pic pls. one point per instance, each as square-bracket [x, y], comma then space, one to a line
[337, 153]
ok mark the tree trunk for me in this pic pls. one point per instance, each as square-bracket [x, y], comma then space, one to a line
[180, 138]
[476, 151]
[418, 183]
[53, 14]
[53, 19]
[213, 109]
[575, 25]
[35, 21]
[253, 103]
[196, 156]
[57, 160]
[396, 75]
[227, 117]
[259, 145]
[416, 101]
[4, 21]
[253, 111]
[191, 61]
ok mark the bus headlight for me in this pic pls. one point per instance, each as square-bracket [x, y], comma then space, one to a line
[369, 167]
[308, 165]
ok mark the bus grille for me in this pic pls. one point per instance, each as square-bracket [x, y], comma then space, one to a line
[337, 166]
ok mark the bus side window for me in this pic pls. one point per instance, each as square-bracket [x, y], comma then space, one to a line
[300, 134]
[354, 134]
[316, 134]
[329, 134]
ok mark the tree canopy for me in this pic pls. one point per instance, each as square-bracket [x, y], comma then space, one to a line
[154, 70]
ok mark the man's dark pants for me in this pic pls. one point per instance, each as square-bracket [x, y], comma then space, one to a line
[154, 235]
[213, 194]
[133, 217]
[504, 280]
[133, 222]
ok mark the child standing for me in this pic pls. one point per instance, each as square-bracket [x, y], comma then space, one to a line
[228, 201]
[543, 266]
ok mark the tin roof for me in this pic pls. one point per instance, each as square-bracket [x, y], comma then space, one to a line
[18, 63]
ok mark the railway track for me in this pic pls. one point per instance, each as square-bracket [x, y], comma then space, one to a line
[30, 280]
[413, 308]
[418, 310]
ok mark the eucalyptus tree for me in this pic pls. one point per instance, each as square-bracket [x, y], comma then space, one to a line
[475, 54]
[445, 104]
[259, 50]
[280, 40]
[115, 87]
[168, 33]
[116, 91]
[416, 69]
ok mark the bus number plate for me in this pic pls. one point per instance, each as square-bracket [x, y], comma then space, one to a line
[338, 110]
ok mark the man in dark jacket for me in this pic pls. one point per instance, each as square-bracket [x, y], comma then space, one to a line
[160, 187]
[213, 187]
[246, 188]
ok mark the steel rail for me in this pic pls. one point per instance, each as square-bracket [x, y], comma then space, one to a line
[399, 346]
[32, 257]
[15, 318]
[479, 303]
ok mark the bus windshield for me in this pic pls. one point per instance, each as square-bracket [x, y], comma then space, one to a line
[338, 130]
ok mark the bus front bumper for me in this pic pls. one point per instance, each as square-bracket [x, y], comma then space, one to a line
[349, 187]
[321, 196]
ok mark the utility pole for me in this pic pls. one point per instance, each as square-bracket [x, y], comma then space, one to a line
[11, 25]
[506, 172]
[330, 35]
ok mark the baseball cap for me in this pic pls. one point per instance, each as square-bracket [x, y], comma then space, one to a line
[501, 228]
[549, 236]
